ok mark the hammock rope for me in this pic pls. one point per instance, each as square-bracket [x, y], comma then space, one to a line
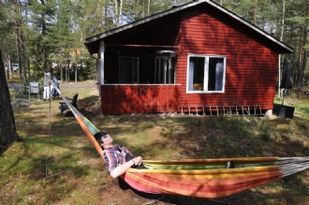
[207, 178]
[293, 165]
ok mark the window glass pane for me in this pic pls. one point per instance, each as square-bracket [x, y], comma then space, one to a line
[125, 70]
[215, 74]
[135, 71]
[128, 70]
[196, 73]
[164, 72]
[157, 67]
[161, 70]
[171, 71]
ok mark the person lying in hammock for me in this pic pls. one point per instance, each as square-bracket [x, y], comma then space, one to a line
[118, 158]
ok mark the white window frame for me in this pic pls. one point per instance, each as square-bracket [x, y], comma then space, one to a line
[206, 73]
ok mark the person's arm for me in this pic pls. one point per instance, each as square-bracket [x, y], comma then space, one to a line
[121, 169]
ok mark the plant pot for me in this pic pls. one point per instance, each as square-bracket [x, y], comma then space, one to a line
[283, 111]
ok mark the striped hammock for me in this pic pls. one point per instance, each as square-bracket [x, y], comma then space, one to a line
[207, 178]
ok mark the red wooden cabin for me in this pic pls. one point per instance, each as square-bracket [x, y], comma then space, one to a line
[194, 56]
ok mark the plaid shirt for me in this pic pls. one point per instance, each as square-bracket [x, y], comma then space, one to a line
[116, 155]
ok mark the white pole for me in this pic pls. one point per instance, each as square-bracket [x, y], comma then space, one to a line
[101, 55]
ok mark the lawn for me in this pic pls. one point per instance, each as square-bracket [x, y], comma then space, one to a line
[55, 164]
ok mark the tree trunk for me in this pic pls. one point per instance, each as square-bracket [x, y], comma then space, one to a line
[148, 8]
[7, 72]
[19, 40]
[120, 12]
[303, 51]
[23, 56]
[282, 21]
[75, 73]
[61, 72]
[105, 12]
[116, 11]
[10, 69]
[44, 33]
[66, 71]
[7, 129]
[27, 58]
[302, 56]
[19, 51]
[28, 63]
[254, 12]
[281, 39]
[8, 65]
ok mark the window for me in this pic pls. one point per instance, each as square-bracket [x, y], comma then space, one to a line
[128, 70]
[164, 69]
[206, 73]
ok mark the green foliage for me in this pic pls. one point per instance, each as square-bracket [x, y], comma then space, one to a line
[7, 30]
[51, 32]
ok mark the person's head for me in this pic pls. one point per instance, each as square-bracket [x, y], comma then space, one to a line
[103, 138]
[47, 74]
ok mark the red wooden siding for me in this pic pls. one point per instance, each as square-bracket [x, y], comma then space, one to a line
[251, 68]
[251, 64]
[118, 99]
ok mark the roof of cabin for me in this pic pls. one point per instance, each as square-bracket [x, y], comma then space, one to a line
[91, 42]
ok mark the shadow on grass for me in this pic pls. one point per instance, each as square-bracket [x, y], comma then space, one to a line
[58, 173]
[180, 200]
[196, 137]
[45, 148]
[90, 100]
[212, 137]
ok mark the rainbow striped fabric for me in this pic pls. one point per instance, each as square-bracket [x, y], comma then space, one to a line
[203, 178]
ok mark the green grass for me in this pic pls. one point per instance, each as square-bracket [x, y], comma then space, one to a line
[76, 174]
[303, 110]
[301, 105]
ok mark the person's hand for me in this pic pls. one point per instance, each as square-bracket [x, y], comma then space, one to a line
[138, 160]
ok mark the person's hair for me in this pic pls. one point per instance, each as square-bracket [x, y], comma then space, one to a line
[98, 136]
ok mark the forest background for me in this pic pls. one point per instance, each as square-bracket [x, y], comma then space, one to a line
[45, 34]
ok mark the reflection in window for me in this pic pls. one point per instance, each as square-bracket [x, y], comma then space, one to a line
[196, 73]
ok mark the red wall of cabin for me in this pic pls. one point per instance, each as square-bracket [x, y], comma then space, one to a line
[120, 99]
[251, 67]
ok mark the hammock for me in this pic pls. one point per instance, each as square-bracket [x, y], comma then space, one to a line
[207, 178]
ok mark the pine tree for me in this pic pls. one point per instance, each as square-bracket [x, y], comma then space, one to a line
[297, 23]
[42, 18]
[12, 35]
